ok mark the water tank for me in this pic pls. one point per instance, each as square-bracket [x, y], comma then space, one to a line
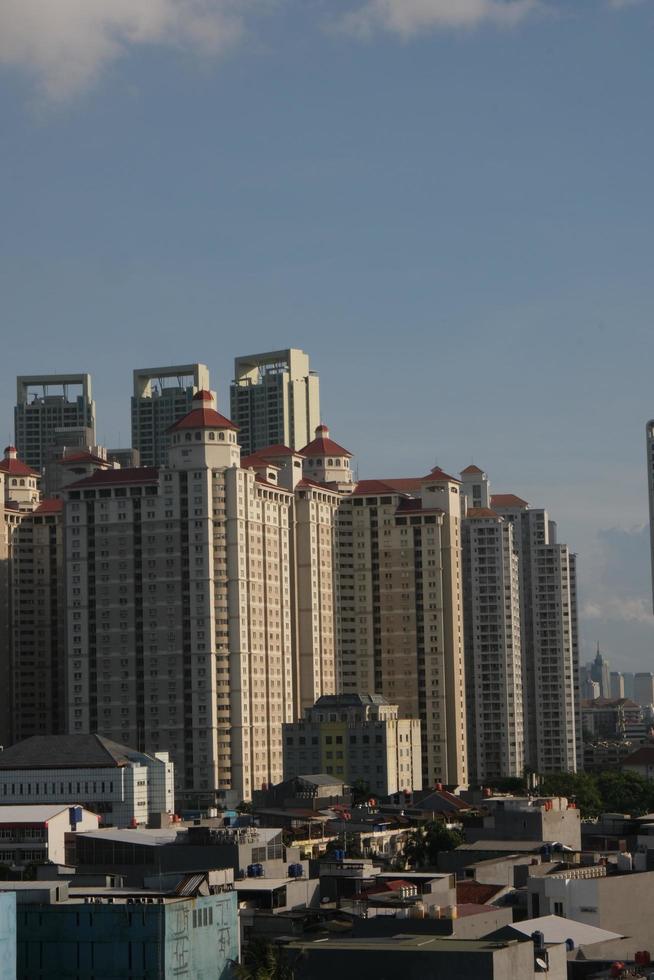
[640, 861]
[434, 912]
[625, 862]
[417, 911]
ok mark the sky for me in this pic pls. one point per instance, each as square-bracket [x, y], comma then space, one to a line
[447, 203]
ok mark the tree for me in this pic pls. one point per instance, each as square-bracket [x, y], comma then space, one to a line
[424, 844]
[625, 792]
[580, 787]
[263, 960]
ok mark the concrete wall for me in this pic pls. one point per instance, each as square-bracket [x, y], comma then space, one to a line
[7, 936]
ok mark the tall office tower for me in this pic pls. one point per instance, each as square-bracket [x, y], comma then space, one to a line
[600, 672]
[401, 626]
[617, 685]
[628, 680]
[644, 689]
[275, 398]
[46, 404]
[548, 614]
[162, 396]
[493, 652]
[38, 623]
[179, 609]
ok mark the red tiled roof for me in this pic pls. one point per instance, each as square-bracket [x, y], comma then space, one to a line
[475, 893]
[322, 445]
[508, 500]
[312, 485]
[469, 908]
[437, 475]
[132, 475]
[273, 486]
[471, 469]
[14, 467]
[255, 459]
[279, 450]
[400, 484]
[203, 418]
[203, 396]
[481, 512]
[52, 505]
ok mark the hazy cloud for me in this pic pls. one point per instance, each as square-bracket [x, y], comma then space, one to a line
[65, 44]
[407, 18]
[634, 609]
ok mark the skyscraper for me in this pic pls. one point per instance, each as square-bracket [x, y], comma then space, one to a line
[493, 649]
[549, 635]
[275, 399]
[644, 688]
[649, 462]
[401, 625]
[599, 672]
[162, 396]
[47, 404]
[617, 685]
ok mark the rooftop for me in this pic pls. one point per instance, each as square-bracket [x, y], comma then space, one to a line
[508, 501]
[32, 812]
[556, 929]
[350, 700]
[322, 445]
[68, 752]
[121, 477]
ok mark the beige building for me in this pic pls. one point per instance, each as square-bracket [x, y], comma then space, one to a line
[492, 646]
[401, 615]
[358, 738]
[181, 616]
[548, 612]
[275, 399]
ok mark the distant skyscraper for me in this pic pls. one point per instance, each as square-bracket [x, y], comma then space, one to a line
[617, 684]
[47, 404]
[275, 399]
[650, 483]
[628, 681]
[162, 396]
[644, 689]
[600, 672]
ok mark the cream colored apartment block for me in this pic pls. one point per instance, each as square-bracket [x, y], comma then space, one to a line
[493, 647]
[399, 554]
[179, 610]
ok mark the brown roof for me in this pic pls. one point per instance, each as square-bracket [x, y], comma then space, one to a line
[475, 893]
[322, 445]
[437, 474]
[644, 756]
[50, 506]
[103, 478]
[481, 512]
[398, 484]
[508, 500]
[203, 418]
[15, 467]
[471, 469]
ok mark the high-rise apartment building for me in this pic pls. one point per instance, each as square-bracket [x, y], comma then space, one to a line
[356, 738]
[38, 664]
[493, 648]
[162, 396]
[549, 633]
[47, 404]
[182, 613]
[400, 605]
[275, 399]
[617, 685]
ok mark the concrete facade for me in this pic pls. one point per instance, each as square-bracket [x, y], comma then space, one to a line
[275, 398]
[7, 936]
[356, 738]
[44, 404]
[35, 834]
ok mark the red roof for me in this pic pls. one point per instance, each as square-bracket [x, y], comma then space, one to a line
[52, 505]
[322, 445]
[481, 512]
[203, 396]
[14, 467]
[474, 893]
[203, 418]
[400, 484]
[508, 500]
[83, 457]
[255, 459]
[471, 469]
[132, 475]
[278, 450]
[312, 485]
[437, 475]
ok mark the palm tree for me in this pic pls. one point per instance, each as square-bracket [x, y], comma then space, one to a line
[263, 961]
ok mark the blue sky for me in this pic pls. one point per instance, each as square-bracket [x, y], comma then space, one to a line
[447, 203]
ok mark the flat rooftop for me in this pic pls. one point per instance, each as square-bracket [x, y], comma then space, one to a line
[405, 941]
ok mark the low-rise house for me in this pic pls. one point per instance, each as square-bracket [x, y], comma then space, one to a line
[547, 819]
[36, 834]
[126, 787]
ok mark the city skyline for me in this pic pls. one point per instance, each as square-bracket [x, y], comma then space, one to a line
[451, 217]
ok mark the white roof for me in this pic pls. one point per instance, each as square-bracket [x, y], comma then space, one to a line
[151, 837]
[31, 812]
[556, 929]
[262, 884]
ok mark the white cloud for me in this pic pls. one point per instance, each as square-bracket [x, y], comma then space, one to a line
[65, 44]
[623, 609]
[407, 18]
